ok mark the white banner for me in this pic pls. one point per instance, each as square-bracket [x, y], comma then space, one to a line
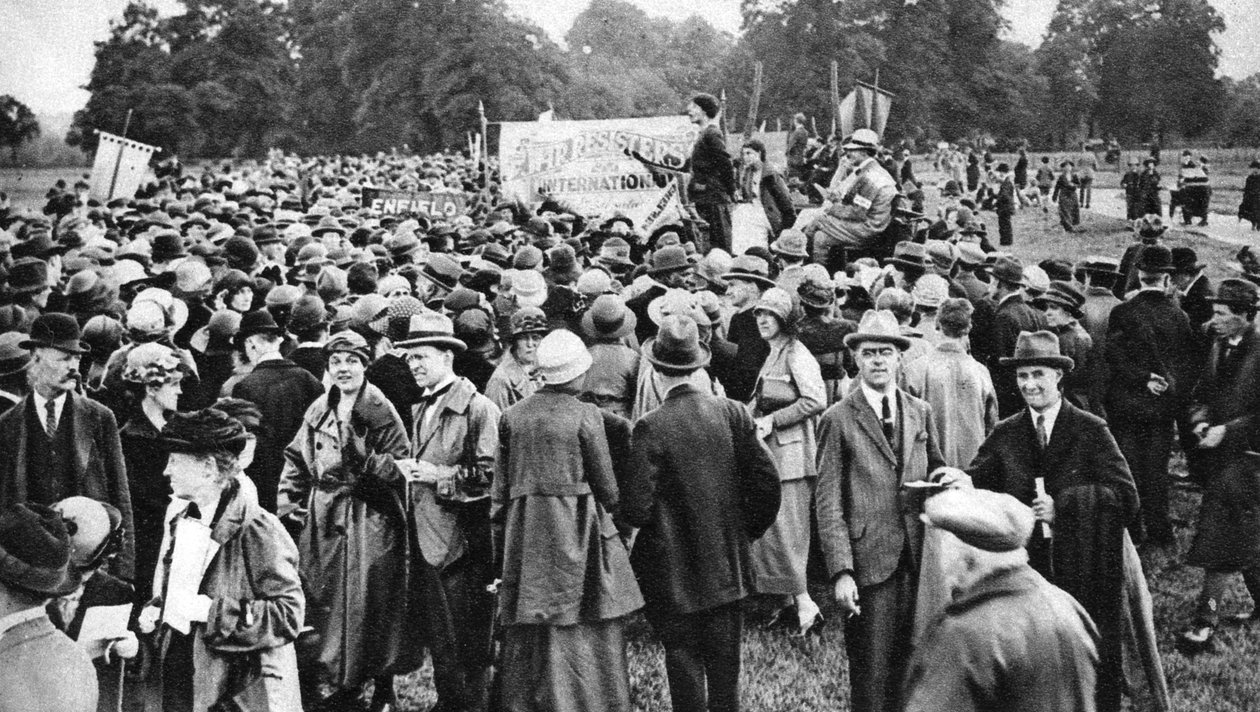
[584, 164]
[119, 168]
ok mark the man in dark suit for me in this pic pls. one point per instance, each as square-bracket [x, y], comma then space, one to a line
[1150, 357]
[1011, 314]
[1193, 293]
[712, 171]
[281, 389]
[1006, 202]
[57, 443]
[869, 445]
[1224, 416]
[702, 486]
[1063, 462]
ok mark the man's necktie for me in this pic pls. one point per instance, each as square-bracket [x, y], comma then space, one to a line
[1042, 438]
[50, 418]
[886, 417]
[1226, 351]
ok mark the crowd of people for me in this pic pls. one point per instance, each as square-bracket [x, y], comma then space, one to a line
[312, 444]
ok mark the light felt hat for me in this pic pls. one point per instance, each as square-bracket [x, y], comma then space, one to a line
[562, 357]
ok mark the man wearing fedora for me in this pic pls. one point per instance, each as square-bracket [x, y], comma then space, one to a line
[1150, 361]
[1062, 306]
[861, 202]
[869, 445]
[1009, 315]
[747, 278]
[989, 649]
[41, 670]
[669, 268]
[454, 442]
[701, 487]
[59, 443]
[1224, 413]
[1064, 463]
[281, 389]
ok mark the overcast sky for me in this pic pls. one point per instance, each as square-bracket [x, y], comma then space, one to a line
[47, 44]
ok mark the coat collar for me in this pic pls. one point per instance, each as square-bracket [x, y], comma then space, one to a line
[25, 631]
[995, 585]
[868, 420]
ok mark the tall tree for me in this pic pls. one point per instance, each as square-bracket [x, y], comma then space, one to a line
[17, 124]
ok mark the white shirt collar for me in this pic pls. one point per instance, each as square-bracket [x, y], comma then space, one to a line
[1051, 415]
[41, 406]
[876, 399]
[14, 620]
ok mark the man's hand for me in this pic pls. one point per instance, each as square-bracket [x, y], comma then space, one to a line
[1157, 384]
[1043, 508]
[765, 425]
[1212, 436]
[951, 477]
[846, 594]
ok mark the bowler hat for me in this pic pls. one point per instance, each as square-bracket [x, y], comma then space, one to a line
[167, 245]
[259, 321]
[35, 550]
[1037, 348]
[677, 345]
[431, 328]
[55, 330]
[1155, 258]
[562, 357]
[1185, 261]
[608, 318]
[1235, 292]
[879, 326]
[987, 520]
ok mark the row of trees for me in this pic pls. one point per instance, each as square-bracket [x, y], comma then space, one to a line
[236, 76]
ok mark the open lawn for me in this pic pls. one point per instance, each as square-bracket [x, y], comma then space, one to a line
[782, 675]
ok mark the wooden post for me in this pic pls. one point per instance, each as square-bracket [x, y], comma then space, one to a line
[485, 146]
[835, 95]
[723, 124]
[750, 123]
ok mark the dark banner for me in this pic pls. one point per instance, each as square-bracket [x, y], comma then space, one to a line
[396, 202]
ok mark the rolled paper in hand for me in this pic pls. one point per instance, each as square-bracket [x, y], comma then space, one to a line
[1040, 484]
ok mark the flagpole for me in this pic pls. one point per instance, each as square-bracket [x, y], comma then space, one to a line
[113, 180]
[485, 146]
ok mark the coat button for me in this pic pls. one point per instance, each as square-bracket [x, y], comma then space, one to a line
[319, 446]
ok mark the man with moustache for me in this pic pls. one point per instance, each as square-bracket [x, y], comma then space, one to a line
[59, 444]
[1063, 462]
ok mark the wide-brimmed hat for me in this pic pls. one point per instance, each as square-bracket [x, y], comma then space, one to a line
[608, 318]
[152, 364]
[750, 268]
[677, 345]
[879, 326]
[28, 275]
[1037, 348]
[791, 243]
[1154, 258]
[865, 139]
[1008, 269]
[562, 357]
[909, 254]
[35, 550]
[1066, 295]
[987, 520]
[930, 290]
[327, 224]
[1235, 292]
[941, 254]
[202, 432]
[431, 328]
[671, 258]
[259, 321]
[55, 330]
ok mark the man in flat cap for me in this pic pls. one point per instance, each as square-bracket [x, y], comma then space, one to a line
[1009, 639]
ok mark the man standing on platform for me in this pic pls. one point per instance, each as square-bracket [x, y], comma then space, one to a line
[712, 172]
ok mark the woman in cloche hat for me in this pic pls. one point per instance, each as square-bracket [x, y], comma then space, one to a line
[339, 480]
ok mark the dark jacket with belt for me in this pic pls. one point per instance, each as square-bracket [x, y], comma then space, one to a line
[282, 390]
[701, 487]
[97, 462]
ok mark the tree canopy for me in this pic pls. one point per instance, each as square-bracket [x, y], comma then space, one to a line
[234, 77]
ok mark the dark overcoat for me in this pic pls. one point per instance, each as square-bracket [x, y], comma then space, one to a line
[282, 390]
[1147, 334]
[702, 486]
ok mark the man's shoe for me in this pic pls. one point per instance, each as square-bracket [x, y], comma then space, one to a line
[1196, 640]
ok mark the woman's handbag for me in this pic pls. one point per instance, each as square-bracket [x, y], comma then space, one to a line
[775, 393]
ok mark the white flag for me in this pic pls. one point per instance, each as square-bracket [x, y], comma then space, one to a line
[119, 168]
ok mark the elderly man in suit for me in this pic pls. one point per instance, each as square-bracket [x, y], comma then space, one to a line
[701, 486]
[870, 445]
[1224, 416]
[1150, 359]
[41, 670]
[1063, 462]
[59, 444]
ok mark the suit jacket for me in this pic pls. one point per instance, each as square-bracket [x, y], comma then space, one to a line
[701, 487]
[866, 519]
[1081, 452]
[98, 464]
[1148, 334]
[41, 670]
[712, 171]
